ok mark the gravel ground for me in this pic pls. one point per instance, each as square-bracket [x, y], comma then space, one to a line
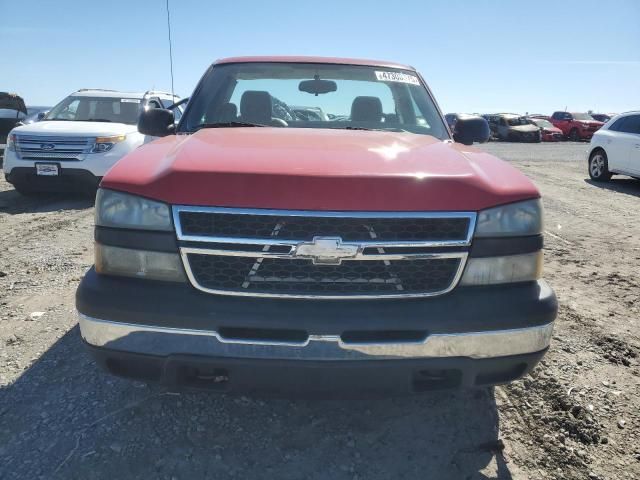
[576, 417]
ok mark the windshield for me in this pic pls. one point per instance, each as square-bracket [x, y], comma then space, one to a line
[97, 109]
[304, 95]
[582, 116]
[514, 122]
[542, 123]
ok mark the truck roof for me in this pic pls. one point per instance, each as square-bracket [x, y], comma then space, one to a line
[304, 59]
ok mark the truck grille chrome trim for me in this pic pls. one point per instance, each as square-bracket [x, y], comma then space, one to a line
[167, 341]
[318, 264]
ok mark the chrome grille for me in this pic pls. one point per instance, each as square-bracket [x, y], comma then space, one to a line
[307, 227]
[291, 276]
[332, 255]
[35, 147]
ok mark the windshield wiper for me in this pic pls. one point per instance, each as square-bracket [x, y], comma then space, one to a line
[94, 120]
[390, 129]
[226, 125]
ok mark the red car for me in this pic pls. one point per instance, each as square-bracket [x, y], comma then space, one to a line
[548, 132]
[576, 126]
[251, 249]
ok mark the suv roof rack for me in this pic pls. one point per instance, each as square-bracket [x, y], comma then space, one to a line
[151, 92]
[97, 90]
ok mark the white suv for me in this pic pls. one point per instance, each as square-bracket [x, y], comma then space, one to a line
[615, 148]
[79, 140]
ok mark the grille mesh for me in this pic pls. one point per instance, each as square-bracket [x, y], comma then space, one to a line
[305, 228]
[302, 277]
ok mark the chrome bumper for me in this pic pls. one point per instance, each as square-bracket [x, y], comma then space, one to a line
[163, 341]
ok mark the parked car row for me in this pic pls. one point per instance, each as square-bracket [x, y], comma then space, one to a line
[72, 145]
[561, 125]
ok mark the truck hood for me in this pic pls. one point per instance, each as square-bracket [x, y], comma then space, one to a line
[318, 169]
[79, 129]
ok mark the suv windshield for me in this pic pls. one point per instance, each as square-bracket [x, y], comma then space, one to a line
[306, 95]
[542, 123]
[514, 122]
[582, 116]
[97, 109]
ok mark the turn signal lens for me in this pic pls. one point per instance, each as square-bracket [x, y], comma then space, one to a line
[104, 144]
[138, 263]
[11, 142]
[508, 269]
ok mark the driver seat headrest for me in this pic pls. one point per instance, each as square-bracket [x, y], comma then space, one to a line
[366, 109]
[255, 107]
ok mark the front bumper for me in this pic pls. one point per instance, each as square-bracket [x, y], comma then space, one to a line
[69, 179]
[167, 331]
[552, 137]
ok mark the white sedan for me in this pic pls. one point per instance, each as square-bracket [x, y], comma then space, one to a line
[615, 148]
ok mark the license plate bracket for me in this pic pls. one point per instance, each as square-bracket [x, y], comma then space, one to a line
[47, 169]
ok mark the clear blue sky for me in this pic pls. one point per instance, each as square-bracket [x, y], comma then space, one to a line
[477, 56]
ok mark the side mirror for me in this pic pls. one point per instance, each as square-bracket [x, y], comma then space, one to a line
[41, 115]
[471, 129]
[156, 122]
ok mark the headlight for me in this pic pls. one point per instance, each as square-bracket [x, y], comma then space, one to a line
[138, 263]
[508, 269]
[104, 144]
[11, 142]
[516, 219]
[122, 210]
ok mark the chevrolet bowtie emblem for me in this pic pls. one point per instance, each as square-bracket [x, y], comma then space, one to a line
[326, 251]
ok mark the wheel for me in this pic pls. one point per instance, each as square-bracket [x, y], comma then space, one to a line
[574, 135]
[599, 166]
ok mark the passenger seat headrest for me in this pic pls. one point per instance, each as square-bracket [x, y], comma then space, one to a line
[366, 109]
[227, 112]
[255, 107]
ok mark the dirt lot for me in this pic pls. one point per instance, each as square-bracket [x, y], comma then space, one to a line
[576, 417]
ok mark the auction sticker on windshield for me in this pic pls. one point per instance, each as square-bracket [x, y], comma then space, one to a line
[397, 77]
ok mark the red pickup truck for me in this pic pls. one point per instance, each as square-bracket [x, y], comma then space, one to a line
[575, 126]
[251, 248]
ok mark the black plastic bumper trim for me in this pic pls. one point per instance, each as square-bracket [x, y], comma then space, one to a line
[137, 239]
[335, 378]
[494, 247]
[179, 305]
[69, 179]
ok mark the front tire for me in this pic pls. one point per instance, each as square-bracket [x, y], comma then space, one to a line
[574, 135]
[599, 166]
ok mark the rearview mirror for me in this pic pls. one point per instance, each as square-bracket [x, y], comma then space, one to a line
[317, 86]
[471, 129]
[156, 122]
